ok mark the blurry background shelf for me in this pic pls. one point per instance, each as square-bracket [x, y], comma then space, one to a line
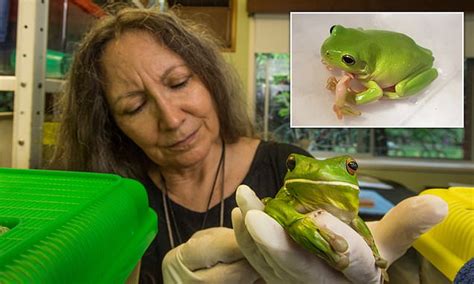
[8, 83]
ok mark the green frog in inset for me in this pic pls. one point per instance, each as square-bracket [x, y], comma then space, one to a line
[385, 63]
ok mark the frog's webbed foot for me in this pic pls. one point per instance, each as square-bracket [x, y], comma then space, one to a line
[345, 110]
[361, 227]
[304, 229]
[320, 241]
[331, 83]
[344, 96]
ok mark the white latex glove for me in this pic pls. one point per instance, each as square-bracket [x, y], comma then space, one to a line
[404, 223]
[209, 256]
[280, 260]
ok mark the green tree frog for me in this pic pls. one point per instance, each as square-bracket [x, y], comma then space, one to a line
[311, 185]
[385, 63]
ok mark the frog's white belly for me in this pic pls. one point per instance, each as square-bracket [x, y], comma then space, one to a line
[337, 197]
[322, 182]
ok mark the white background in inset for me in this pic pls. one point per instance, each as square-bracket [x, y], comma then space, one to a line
[439, 105]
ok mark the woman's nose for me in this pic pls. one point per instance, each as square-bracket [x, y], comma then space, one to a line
[170, 115]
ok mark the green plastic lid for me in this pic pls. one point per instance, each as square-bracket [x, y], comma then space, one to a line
[70, 227]
[57, 63]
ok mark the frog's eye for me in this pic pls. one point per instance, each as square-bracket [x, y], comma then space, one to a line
[351, 166]
[291, 163]
[349, 60]
[332, 28]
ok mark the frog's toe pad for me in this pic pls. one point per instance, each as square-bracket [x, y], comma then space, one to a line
[331, 83]
[380, 262]
[342, 263]
[347, 110]
[338, 112]
[337, 242]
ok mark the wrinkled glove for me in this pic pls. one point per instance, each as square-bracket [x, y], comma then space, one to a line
[209, 256]
[279, 259]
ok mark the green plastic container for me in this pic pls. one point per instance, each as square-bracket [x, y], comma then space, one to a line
[70, 227]
[57, 63]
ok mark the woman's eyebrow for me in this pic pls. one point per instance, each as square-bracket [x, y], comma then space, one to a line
[170, 69]
[162, 77]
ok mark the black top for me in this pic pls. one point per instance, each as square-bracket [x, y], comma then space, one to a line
[265, 177]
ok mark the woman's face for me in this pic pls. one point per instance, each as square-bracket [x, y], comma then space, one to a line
[158, 101]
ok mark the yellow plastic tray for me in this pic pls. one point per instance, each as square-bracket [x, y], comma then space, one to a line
[450, 244]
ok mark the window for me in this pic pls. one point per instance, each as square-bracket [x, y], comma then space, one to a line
[6, 101]
[272, 112]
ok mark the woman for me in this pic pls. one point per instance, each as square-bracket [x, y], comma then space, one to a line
[150, 97]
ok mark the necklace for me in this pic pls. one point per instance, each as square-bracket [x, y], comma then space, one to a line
[167, 203]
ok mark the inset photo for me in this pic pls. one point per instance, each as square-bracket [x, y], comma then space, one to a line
[377, 70]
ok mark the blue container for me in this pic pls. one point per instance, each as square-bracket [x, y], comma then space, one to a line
[4, 12]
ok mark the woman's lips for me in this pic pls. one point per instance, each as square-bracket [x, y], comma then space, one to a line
[184, 142]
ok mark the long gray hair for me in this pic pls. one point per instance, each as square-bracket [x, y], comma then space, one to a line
[89, 139]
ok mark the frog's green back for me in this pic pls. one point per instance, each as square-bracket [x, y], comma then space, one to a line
[397, 51]
[386, 56]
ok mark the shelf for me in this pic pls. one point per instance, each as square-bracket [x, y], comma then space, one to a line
[8, 83]
[6, 114]
[54, 85]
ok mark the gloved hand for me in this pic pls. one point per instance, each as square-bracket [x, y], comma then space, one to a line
[279, 259]
[404, 223]
[209, 256]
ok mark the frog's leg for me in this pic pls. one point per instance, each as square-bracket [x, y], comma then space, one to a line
[350, 94]
[413, 84]
[360, 227]
[373, 93]
[303, 230]
[342, 107]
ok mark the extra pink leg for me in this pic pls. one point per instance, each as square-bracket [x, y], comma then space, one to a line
[340, 107]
